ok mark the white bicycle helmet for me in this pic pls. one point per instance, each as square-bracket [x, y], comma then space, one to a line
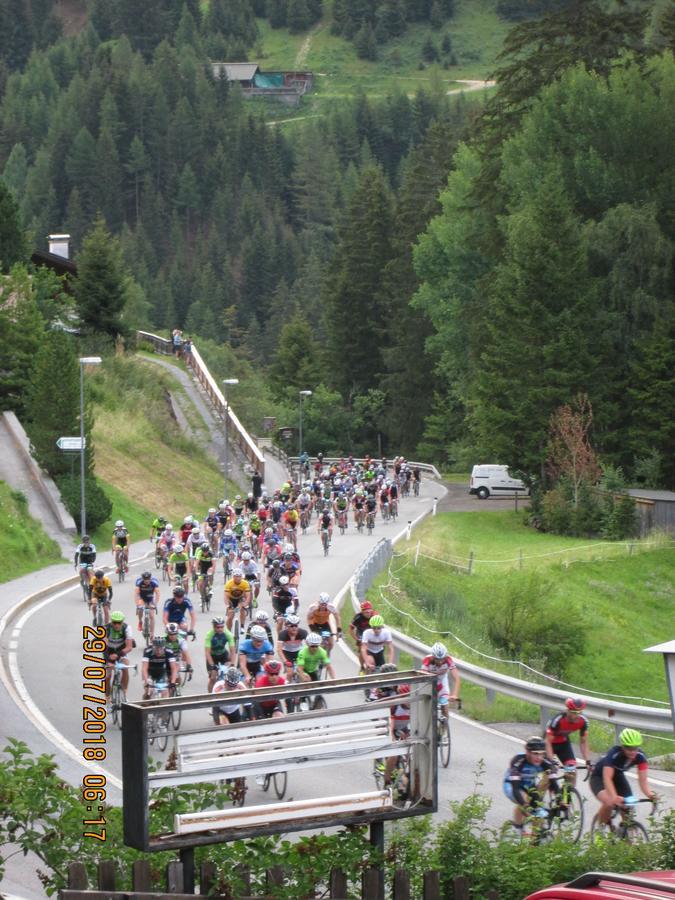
[439, 651]
[313, 639]
[258, 633]
[261, 616]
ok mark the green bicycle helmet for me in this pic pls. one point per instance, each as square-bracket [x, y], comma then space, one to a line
[117, 616]
[376, 622]
[629, 737]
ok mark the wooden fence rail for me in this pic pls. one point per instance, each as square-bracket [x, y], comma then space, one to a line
[371, 884]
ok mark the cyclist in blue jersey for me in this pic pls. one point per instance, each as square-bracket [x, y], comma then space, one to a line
[608, 781]
[178, 609]
[254, 653]
[527, 778]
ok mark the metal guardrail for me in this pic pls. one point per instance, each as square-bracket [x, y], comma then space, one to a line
[548, 699]
[329, 460]
[200, 370]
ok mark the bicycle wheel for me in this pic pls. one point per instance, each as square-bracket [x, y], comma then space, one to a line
[567, 815]
[280, 780]
[97, 619]
[85, 590]
[236, 629]
[444, 744]
[600, 831]
[319, 702]
[146, 626]
[176, 714]
[633, 832]
[118, 697]
[266, 783]
[162, 735]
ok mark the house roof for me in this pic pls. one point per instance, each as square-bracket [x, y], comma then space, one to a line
[237, 71]
[60, 264]
[653, 495]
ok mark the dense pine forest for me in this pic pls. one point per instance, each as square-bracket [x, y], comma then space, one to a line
[443, 272]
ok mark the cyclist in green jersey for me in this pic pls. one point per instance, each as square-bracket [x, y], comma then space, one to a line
[218, 647]
[312, 659]
[157, 527]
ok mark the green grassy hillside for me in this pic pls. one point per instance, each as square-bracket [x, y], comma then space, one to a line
[24, 546]
[475, 32]
[589, 594]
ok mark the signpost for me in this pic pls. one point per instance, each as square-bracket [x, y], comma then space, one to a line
[71, 444]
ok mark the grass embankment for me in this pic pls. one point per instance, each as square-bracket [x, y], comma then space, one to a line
[23, 544]
[476, 34]
[145, 463]
[609, 601]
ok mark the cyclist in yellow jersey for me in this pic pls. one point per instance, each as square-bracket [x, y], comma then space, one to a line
[237, 596]
[100, 590]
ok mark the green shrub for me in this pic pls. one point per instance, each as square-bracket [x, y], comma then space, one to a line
[619, 518]
[523, 618]
[648, 469]
[99, 506]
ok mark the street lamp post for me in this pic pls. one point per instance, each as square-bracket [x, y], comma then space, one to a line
[226, 455]
[302, 394]
[84, 361]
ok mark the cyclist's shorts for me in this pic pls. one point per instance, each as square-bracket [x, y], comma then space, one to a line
[378, 658]
[234, 603]
[565, 753]
[508, 790]
[621, 785]
[204, 566]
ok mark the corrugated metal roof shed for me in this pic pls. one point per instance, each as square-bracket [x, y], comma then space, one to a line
[653, 495]
[236, 71]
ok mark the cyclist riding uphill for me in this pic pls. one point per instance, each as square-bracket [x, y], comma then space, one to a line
[441, 665]
[608, 781]
[526, 779]
[560, 728]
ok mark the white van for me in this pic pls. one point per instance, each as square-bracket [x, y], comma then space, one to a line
[487, 481]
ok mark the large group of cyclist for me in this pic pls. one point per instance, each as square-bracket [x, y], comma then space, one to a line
[253, 539]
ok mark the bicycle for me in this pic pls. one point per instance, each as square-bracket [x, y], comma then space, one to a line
[562, 816]
[305, 516]
[628, 828]
[342, 520]
[158, 722]
[120, 563]
[393, 511]
[279, 780]
[205, 583]
[444, 740]
[117, 694]
[400, 778]
[85, 578]
[385, 511]
[147, 628]
[416, 488]
[98, 615]
[370, 521]
[325, 540]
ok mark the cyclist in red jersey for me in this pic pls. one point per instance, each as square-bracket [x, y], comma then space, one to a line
[561, 727]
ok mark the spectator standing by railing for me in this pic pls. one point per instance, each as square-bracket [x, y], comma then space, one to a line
[177, 342]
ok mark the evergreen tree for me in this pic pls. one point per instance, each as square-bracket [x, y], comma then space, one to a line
[297, 16]
[356, 308]
[275, 11]
[109, 199]
[187, 196]
[21, 333]
[99, 289]
[365, 42]
[652, 394]
[82, 169]
[543, 288]
[16, 170]
[13, 246]
[295, 363]
[49, 412]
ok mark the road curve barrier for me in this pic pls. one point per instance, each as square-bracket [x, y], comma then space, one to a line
[548, 699]
[236, 430]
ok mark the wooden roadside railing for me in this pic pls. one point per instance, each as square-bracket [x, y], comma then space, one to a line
[371, 884]
[236, 430]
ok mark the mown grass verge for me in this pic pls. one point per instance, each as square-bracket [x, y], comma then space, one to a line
[601, 604]
[24, 545]
[142, 458]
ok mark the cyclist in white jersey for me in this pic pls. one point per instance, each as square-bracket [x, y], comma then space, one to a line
[376, 646]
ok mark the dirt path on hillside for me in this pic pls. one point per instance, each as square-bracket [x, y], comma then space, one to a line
[301, 56]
